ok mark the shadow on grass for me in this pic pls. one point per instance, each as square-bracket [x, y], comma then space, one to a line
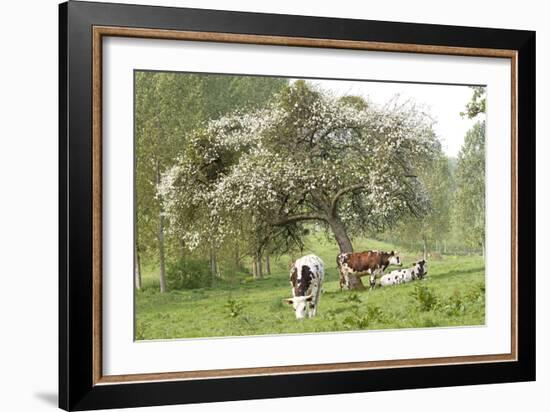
[454, 273]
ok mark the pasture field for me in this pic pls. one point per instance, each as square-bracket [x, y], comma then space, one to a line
[453, 294]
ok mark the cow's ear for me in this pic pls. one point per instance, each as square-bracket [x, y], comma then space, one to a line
[309, 298]
[289, 301]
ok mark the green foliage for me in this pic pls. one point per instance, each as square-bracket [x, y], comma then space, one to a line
[426, 299]
[460, 303]
[167, 107]
[353, 297]
[456, 189]
[469, 198]
[477, 104]
[141, 330]
[476, 294]
[436, 224]
[234, 308]
[455, 305]
[355, 101]
[362, 318]
[188, 273]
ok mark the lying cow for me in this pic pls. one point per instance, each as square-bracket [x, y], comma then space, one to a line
[306, 279]
[359, 264]
[396, 277]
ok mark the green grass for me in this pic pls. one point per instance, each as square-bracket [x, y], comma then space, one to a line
[453, 294]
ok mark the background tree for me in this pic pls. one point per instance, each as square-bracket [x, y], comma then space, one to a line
[469, 200]
[307, 157]
[477, 103]
[167, 107]
[435, 226]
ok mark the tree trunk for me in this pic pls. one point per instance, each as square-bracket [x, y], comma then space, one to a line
[214, 270]
[267, 264]
[137, 266]
[237, 256]
[355, 282]
[425, 246]
[162, 274]
[254, 267]
[181, 247]
[211, 259]
[341, 235]
[259, 270]
[344, 243]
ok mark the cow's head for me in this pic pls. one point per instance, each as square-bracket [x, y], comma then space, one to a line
[341, 259]
[394, 258]
[300, 304]
[421, 269]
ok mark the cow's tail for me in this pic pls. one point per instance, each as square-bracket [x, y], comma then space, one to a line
[340, 274]
[338, 260]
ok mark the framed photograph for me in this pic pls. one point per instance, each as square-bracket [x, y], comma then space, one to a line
[256, 205]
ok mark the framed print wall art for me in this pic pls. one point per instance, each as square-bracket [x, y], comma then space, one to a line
[257, 205]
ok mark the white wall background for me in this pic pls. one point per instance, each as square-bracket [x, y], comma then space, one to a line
[28, 210]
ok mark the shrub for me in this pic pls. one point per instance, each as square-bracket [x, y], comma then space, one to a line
[362, 320]
[186, 273]
[455, 305]
[352, 298]
[426, 299]
[234, 308]
[476, 294]
[141, 330]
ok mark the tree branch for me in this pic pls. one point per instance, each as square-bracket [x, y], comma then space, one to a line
[299, 218]
[341, 193]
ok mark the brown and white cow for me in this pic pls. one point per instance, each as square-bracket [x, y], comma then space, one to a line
[306, 279]
[372, 262]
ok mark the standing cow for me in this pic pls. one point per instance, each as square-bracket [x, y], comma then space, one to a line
[372, 262]
[306, 279]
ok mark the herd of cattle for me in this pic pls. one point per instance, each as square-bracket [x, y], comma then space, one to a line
[307, 274]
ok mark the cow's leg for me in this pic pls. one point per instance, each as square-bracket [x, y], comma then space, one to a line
[313, 304]
[344, 278]
[315, 301]
[317, 297]
[341, 279]
[372, 279]
[311, 309]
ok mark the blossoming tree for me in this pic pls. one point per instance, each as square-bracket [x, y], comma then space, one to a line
[309, 157]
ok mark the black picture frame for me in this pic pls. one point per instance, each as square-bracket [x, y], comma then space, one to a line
[77, 390]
